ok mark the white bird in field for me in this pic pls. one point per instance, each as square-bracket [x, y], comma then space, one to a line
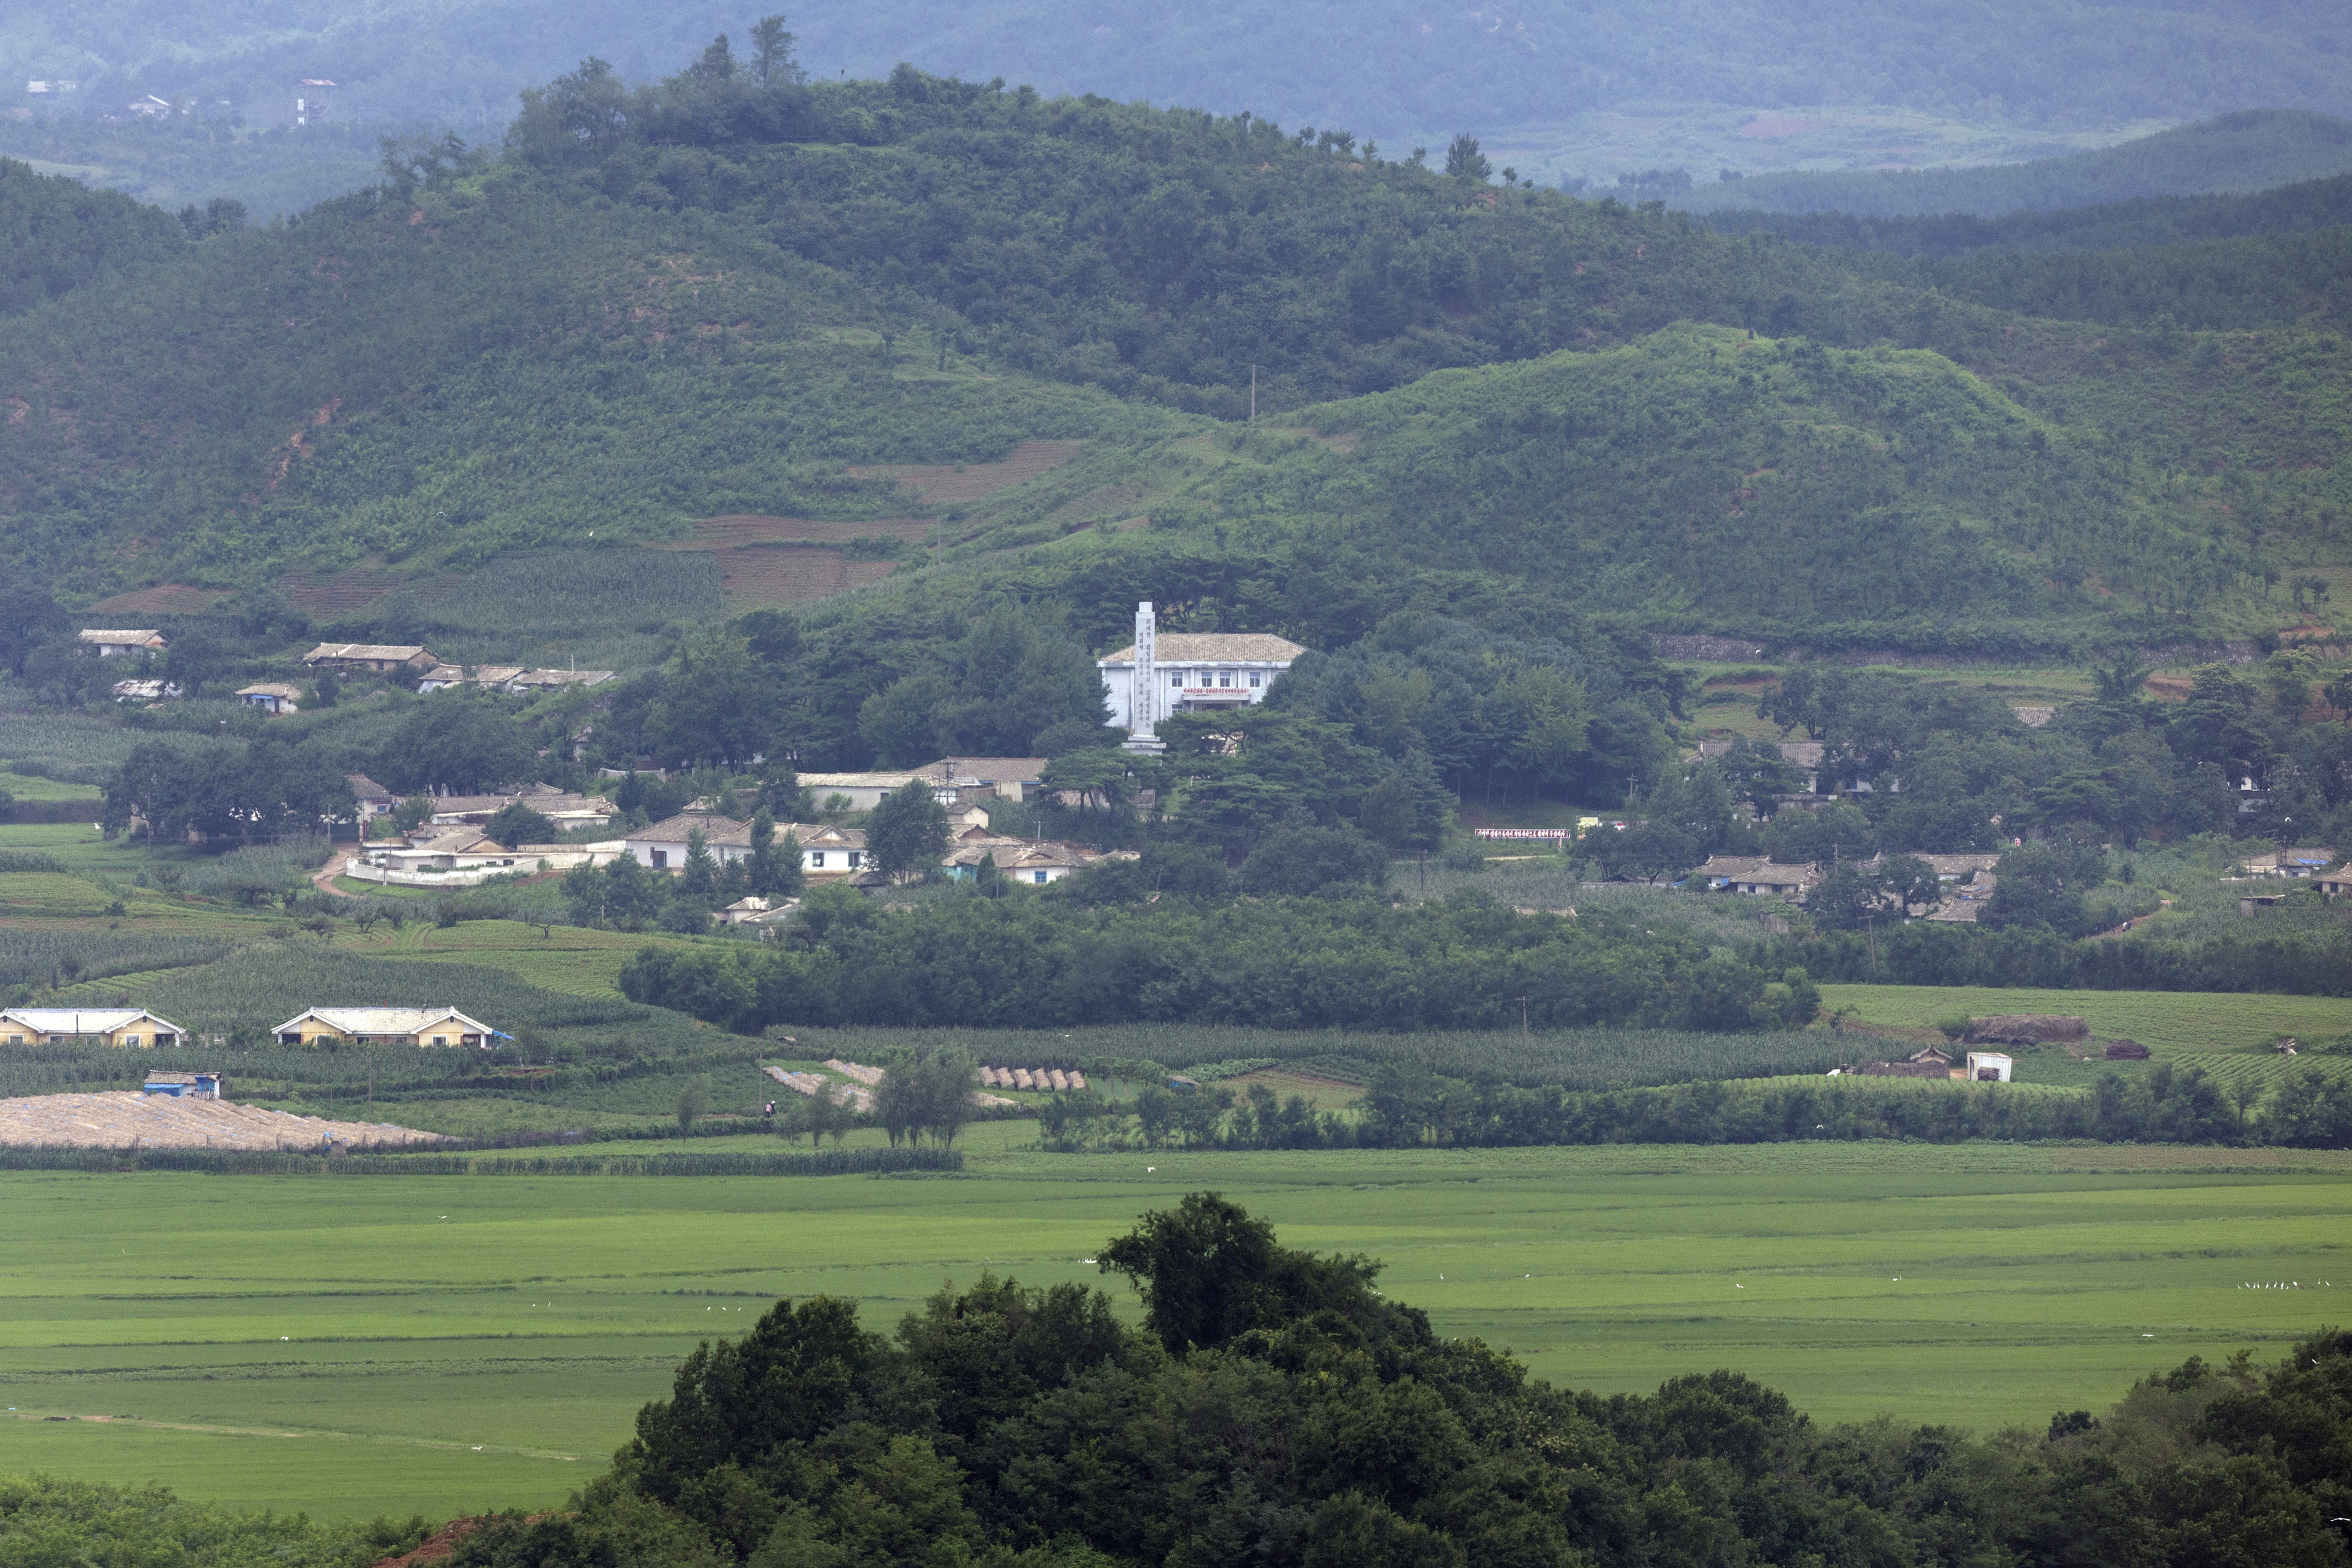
[1737, 1286]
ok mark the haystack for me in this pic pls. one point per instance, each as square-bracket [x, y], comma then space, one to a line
[2026, 1028]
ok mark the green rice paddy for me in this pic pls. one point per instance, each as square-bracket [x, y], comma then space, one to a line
[351, 1345]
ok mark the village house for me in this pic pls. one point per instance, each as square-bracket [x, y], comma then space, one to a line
[968, 779]
[144, 691]
[828, 854]
[567, 812]
[122, 645]
[1017, 860]
[2291, 863]
[863, 791]
[272, 697]
[459, 848]
[375, 800]
[1967, 896]
[512, 679]
[122, 1027]
[385, 1025]
[2333, 883]
[754, 910]
[662, 845]
[1161, 674]
[1757, 875]
[370, 658]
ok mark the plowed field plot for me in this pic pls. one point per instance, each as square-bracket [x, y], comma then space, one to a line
[748, 528]
[761, 575]
[944, 484]
[164, 599]
[768, 561]
[338, 592]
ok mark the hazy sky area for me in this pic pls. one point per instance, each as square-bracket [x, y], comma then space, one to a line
[1756, 84]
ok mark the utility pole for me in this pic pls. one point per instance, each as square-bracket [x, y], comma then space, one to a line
[1523, 1015]
[1425, 870]
[1253, 419]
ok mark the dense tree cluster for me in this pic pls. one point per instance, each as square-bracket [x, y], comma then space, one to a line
[1275, 1407]
[1286, 964]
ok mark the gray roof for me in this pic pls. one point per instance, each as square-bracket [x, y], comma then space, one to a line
[716, 829]
[1213, 648]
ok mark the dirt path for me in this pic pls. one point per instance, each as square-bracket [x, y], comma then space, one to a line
[324, 879]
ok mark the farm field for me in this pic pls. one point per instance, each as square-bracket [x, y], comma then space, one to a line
[2228, 1033]
[351, 1345]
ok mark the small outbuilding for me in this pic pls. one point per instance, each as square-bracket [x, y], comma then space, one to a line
[1989, 1067]
[187, 1085]
[272, 697]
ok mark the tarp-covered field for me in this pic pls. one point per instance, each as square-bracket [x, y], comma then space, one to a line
[350, 1344]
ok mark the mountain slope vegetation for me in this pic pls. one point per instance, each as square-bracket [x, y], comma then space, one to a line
[725, 296]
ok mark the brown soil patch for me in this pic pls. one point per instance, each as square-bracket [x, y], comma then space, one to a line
[756, 577]
[164, 599]
[1323, 1093]
[338, 592]
[945, 483]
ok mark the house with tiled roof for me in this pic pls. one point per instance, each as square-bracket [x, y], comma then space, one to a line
[1161, 673]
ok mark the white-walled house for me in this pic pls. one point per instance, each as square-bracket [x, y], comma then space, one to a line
[661, 846]
[1161, 673]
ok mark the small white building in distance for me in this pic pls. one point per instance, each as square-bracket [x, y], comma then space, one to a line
[1159, 674]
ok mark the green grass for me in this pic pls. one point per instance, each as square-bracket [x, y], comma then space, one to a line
[447, 1343]
[32, 786]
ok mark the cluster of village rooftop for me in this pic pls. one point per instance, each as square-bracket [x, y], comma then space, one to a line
[400, 661]
[450, 850]
[137, 1029]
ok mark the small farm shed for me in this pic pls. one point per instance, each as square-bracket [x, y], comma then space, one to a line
[1989, 1067]
[185, 1085]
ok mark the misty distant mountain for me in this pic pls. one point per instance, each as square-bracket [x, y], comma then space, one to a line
[1387, 69]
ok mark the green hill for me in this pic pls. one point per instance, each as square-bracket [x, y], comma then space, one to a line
[718, 300]
[2252, 149]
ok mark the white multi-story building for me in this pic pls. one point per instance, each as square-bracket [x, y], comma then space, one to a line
[1161, 673]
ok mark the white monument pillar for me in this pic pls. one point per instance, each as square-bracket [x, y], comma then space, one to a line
[1143, 698]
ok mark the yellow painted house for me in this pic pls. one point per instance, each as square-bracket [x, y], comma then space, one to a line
[121, 1027]
[385, 1025]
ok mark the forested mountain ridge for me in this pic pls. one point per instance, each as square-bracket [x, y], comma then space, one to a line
[57, 235]
[720, 296]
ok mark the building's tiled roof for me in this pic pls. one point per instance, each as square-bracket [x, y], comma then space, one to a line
[987, 769]
[84, 1021]
[856, 780]
[397, 653]
[1962, 866]
[1213, 648]
[366, 788]
[146, 635]
[561, 678]
[270, 689]
[385, 1020]
[817, 836]
[716, 829]
[546, 805]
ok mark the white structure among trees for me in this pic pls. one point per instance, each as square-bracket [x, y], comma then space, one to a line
[1159, 674]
